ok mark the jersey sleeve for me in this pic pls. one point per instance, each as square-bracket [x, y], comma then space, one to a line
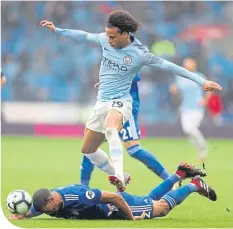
[155, 61]
[79, 35]
[90, 197]
[34, 212]
[152, 60]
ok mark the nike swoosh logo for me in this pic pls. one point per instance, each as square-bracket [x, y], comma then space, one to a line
[106, 49]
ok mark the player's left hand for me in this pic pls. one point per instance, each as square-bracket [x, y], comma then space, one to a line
[16, 216]
[211, 85]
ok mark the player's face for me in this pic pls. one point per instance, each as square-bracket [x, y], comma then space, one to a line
[190, 64]
[52, 206]
[115, 38]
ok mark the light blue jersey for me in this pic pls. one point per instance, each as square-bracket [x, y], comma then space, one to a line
[119, 66]
[191, 94]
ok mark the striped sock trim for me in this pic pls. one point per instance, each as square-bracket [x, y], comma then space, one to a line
[133, 149]
[170, 201]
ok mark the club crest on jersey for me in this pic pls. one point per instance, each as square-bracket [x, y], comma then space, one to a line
[90, 195]
[127, 60]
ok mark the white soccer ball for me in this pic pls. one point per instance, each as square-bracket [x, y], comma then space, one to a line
[19, 202]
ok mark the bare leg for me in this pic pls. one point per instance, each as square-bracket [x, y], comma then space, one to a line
[90, 148]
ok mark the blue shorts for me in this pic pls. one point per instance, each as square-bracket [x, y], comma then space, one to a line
[130, 130]
[137, 204]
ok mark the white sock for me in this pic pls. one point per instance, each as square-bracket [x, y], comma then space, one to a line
[101, 160]
[116, 151]
[198, 140]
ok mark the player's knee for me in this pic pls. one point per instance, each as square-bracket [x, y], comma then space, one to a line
[88, 149]
[133, 144]
[161, 208]
[133, 148]
[84, 150]
[111, 134]
[188, 129]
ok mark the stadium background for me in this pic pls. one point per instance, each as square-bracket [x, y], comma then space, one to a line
[49, 92]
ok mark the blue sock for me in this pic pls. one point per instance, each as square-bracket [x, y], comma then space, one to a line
[164, 187]
[177, 196]
[86, 170]
[149, 160]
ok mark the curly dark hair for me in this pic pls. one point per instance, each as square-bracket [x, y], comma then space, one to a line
[123, 20]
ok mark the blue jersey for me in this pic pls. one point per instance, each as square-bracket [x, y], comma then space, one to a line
[79, 202]
[191, 94]
[82, 202]
[119, 66]
[137, 204]
[135, 94]
[131, 131]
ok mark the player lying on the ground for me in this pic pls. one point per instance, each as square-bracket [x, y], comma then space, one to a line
[123, 56]
[81, 202]
[130, 135]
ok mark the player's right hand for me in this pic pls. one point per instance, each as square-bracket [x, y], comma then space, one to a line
[141, 217]
[16, 216]
[48, 24]
[211, 85]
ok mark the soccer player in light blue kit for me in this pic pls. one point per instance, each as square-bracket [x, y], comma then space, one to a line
[130, 134]
[192, 108]
[82, 202]
[123, 56]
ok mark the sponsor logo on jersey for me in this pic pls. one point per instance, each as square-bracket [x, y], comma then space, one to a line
[113, 65]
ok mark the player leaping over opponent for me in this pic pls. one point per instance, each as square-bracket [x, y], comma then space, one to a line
[81, 202]
[123, 56]
[130, 135]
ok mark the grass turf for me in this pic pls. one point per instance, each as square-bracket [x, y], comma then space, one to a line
[31, 163]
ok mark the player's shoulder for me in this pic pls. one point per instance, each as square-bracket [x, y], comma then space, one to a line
[103, 37]
[139, 47]
[68, 188]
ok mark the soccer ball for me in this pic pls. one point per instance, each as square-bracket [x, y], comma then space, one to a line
[19, 202]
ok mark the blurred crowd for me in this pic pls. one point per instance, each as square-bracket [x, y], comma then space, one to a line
[43, 67]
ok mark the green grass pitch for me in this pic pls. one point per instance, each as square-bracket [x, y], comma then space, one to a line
[31, 163]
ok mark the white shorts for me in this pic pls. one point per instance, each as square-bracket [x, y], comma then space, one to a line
[101, 108]
[191, 119]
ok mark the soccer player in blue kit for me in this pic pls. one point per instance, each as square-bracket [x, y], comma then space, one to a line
[82, 202]
[130, 134]
[123, 56]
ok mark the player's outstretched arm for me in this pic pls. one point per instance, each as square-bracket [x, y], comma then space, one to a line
[118, 201]
[152, 60]
[77, 35]
[29, 214]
